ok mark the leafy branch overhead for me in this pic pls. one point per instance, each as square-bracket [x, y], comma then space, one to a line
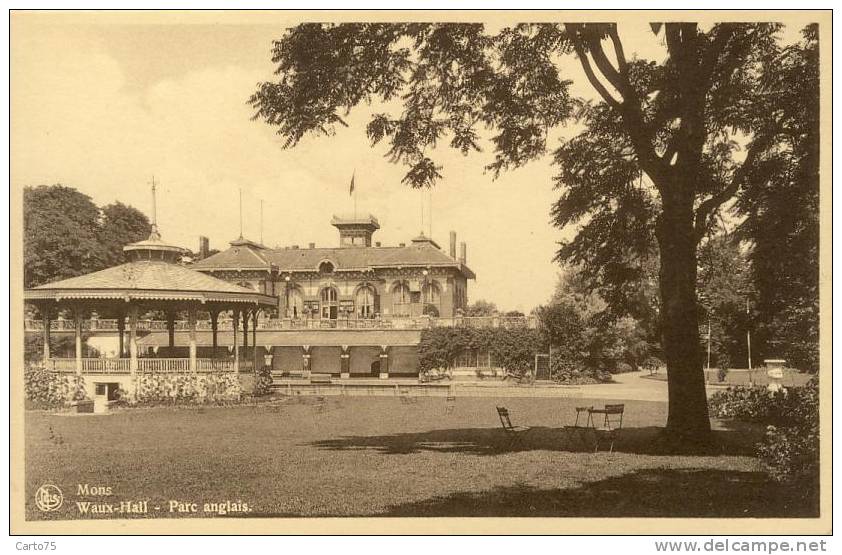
[452, 81]
[654, 158]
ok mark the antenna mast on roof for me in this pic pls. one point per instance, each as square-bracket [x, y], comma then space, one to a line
[154, 231]
[241, 212]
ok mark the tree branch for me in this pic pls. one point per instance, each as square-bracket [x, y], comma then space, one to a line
[709, 206]
[594, 80]
[604, 64]
[622, 64]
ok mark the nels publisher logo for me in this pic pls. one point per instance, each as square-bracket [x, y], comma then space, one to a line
[48, 498]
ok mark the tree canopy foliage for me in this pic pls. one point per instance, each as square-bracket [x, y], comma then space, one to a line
[780, 205]
[66, 234]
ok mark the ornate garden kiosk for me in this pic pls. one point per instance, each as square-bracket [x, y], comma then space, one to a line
[150, 280]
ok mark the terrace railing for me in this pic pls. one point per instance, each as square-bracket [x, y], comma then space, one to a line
[146, 365]
[279, 324]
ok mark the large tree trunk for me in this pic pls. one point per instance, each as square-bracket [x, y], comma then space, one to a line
[688, 413]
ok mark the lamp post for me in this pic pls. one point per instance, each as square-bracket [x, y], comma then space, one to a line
[703, 302]
[748, 341]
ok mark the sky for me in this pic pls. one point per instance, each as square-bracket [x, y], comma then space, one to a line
[103, 103]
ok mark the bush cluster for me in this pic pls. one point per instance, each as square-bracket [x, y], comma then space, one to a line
[790, 448]
[46, 389]
[262, 381]
[573, 372]
[215, 388]
[512, 349]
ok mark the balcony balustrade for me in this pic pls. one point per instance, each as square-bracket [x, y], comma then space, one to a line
[278, 324]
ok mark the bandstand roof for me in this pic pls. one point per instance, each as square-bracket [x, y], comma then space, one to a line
[148, 280]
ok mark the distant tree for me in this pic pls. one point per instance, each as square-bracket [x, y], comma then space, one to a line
[675, 121]
[67, 235]
[481, 308]
[724, 286]
[583, 328]
[121, 225]
[61, 234]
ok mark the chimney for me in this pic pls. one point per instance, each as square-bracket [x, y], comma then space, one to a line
[463, 252]
[295, 246]
[453, 245]
[401, 244]
[312, 245]
[204, 246]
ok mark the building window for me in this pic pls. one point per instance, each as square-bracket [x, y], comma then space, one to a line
[401, 300]
[365, 302]
[330, 303]
[431, 297]
[295, 304]
[326, 267]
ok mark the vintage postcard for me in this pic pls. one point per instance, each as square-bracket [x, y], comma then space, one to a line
[420, 272]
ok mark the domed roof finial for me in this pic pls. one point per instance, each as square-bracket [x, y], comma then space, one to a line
[154, 234]
[154, 248]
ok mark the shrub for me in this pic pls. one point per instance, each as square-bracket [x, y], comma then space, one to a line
[623, 367]
[652, 364]
[262, 381]
[46, 389]
[567, 371]
[219, 387]
[790, 448]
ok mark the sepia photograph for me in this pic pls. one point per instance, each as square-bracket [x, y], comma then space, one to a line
[272, 268]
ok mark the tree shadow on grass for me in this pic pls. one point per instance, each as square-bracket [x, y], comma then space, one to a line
[494, 441]
[695, 493]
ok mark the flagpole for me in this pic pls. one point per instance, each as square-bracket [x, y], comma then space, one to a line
[353, 192]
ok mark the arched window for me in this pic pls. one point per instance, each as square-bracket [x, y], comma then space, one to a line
[365, 302]
[431, 294]
[401, 300]
[326, 267]
[295, 303]
[330, 303]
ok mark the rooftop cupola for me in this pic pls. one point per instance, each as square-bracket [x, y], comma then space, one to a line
[153, 248]
[355, 231]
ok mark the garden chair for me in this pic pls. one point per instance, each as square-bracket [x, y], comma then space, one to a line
[450, 404]
[514, 434]
[612, 422]
[583, 424]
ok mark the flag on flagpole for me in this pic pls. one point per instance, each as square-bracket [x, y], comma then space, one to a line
[351, 192]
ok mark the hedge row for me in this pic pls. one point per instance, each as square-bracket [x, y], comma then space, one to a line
[511, 348]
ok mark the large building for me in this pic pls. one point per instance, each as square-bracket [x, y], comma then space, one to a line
[357, 280]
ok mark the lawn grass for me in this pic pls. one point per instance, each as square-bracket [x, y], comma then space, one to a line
[378, 456]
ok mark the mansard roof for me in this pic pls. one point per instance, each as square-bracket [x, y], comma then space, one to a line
[421, 254]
